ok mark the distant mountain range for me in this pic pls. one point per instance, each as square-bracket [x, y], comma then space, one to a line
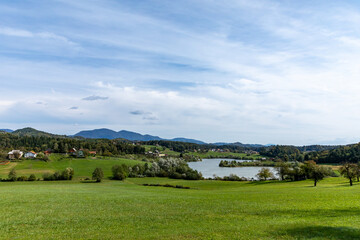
[99, 133]
[6, 130]
[123, 134]
[132, 136]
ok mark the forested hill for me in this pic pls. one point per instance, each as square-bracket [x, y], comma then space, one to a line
[132, 136]
[111, 134]
[33, 132]
[317, 148]
[105, 147]
[349, 153]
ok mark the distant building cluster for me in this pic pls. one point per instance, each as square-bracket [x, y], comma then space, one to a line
[155, 153]
[17, 154]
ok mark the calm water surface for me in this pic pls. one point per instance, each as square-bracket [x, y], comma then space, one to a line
[209, 167]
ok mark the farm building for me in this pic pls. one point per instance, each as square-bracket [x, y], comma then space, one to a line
[80, 154]
[72, 151]
[48, 152]
[30, 154]
[15, 154]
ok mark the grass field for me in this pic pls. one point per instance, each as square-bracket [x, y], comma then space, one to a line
[83, 167]
[210, 210]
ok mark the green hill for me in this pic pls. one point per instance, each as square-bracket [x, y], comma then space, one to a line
[33, 132]
[83, 167]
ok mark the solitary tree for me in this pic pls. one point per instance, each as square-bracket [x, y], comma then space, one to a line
[12, 175]
[318, 173]
[265, 174]
[97, 174]
[349, 170]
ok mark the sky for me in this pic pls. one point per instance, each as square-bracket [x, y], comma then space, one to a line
[255, 71]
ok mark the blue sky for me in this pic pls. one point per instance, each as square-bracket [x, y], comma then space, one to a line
[283, 72]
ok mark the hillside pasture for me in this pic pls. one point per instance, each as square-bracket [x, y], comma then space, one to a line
[209, 210]
[83, 167]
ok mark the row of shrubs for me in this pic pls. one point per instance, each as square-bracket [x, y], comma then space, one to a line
[231, 177]
[165, 185]
[67, 174]
[13, 178]
[225, 163]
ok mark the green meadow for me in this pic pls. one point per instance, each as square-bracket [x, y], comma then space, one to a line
[209, 210]
[83, 167]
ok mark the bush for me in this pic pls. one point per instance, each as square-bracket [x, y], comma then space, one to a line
[67, 174]
[97, 174]
[48, 177]
[42, 156]
[119, 172]
[22, 178]
[32, 177]
[12, 175]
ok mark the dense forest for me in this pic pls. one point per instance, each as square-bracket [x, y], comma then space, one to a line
[325, 154]
[349, 153]
[10, 141]
[185, 146]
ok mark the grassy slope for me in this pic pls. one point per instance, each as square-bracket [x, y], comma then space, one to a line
[83, 167]
[211, 210]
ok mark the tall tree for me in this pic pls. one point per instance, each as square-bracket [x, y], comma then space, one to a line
[349, 170]
[265, 174]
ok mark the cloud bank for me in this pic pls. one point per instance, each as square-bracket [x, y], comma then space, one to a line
[248, 71]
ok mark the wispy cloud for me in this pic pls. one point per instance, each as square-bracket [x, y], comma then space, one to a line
[137, 112]
[94, 98]
[250, 71]
[27, 34]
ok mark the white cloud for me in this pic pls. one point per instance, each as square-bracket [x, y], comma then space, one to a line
[28, 34]
[260, 71]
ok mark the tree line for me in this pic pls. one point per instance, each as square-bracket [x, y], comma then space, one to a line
[63, 145]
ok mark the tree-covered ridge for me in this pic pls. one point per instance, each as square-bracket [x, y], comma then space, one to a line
[33, 132]
[287, 153]
[62, 145]
[186, 146]
[349, 153]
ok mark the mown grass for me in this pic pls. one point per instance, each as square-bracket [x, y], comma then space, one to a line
[209, 210]
[83, 167]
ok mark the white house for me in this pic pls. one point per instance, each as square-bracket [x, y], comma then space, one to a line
[30, 154]
[15, 154]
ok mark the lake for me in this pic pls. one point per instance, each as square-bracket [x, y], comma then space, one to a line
[209, 167]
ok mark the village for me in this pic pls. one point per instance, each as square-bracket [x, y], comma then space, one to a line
[18, 154]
